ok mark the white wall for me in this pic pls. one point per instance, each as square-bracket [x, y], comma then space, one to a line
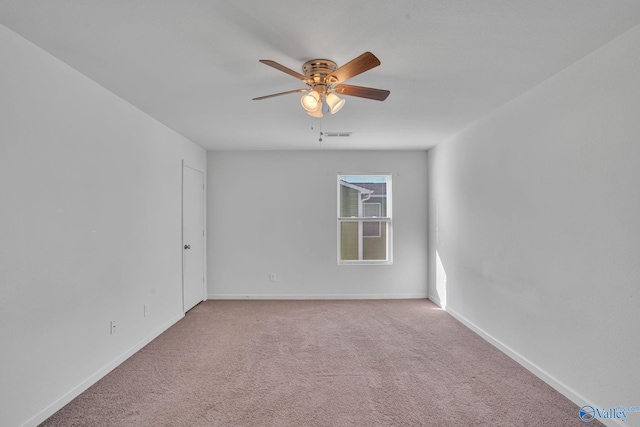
[90, 230]
[276, 212]
[535, 227]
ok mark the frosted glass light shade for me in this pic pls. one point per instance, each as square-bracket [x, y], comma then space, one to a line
[334, 103]
[317, 112]
[310, 101]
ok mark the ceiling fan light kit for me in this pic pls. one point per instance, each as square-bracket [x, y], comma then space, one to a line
[334, 103]
[325, 78]
[311, 101]
[316, 113]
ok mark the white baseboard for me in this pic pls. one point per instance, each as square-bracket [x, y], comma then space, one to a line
[563, 389]
[557, 385]
[313, 296]
[568, 392]
[434, 299]
[84, 385]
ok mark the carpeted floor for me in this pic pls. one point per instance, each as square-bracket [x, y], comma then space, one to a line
[319, 363]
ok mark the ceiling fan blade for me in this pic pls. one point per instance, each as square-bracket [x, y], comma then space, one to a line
[356, 66]
[284, 69]
[362, 92]
[278, 94]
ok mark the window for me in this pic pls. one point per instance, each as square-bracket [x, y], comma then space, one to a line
[364, 219]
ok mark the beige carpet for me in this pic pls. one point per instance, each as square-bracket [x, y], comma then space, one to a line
[319, 363]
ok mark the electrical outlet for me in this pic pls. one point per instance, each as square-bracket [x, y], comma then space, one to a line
[146, 310]
[272, 277]
[113, 327]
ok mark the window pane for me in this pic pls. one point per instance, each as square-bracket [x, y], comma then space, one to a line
[359, 191]
[371, 229]
[349, 241]
[348, 201]
[352, 247]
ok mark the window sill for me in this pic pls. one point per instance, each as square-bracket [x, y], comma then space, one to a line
[365, 262]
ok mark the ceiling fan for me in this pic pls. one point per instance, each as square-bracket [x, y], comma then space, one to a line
[324, 80]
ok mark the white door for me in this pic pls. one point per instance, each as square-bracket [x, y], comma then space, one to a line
[193, 286]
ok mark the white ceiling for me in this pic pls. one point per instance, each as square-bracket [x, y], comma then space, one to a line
[193, 64]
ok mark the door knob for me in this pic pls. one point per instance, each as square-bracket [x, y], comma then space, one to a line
[187, 246]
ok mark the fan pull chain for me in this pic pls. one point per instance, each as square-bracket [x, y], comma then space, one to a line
[321, 133]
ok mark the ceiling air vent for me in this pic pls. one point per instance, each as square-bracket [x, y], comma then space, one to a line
[343, 134]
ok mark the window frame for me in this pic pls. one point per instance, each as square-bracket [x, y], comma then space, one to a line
[386, 220]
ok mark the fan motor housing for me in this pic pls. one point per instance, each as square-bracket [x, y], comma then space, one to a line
[318, 69]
